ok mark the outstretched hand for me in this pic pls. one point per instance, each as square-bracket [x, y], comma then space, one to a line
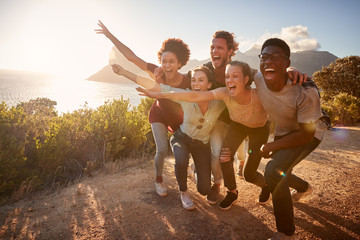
[117, 69]
[147, 93]
[159, 75]
[103, 30]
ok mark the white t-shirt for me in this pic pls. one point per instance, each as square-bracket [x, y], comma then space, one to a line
[290, 106]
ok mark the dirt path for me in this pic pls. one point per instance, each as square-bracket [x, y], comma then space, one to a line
[124, 205]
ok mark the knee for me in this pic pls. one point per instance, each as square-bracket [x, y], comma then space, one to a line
[181, 163]
[250, 176]
[226, 155]
[273, 174]
[161, 153]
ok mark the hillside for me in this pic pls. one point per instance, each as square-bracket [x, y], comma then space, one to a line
[306, 61]
[122, 204]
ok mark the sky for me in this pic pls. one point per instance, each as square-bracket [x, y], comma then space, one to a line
[58, 37]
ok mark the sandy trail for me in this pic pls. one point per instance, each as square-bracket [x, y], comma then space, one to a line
[124, 205]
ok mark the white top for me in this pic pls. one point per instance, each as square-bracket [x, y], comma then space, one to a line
[196, 124]
[252, 115]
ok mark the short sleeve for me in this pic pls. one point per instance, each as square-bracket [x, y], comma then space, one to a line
[309, 110]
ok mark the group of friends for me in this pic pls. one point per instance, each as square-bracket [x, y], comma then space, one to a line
[211, 111]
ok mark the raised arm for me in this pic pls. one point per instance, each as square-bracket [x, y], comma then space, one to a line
[186, 96]
[130, 55]
[142, 81]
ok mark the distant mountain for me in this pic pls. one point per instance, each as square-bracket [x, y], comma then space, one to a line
[107, 75]
[307, 62]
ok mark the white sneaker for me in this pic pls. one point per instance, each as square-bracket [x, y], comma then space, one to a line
[296, 196]
[282, 236]
[161, 189]
[186, 201]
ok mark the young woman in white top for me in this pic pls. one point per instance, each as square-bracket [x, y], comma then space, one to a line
[192, 137]
[250, 119]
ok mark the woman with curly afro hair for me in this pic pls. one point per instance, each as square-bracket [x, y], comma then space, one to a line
[165, 115]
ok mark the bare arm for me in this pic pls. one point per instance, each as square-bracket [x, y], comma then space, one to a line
[296, 76]
[142, 81]
[186, 96]
[303, 136]
[130, 55]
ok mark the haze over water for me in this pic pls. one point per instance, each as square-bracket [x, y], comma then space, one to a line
[70, 94]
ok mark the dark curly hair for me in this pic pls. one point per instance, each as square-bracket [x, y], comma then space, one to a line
[246, 70]
[176, 46]
[230, 40]
[205, 70]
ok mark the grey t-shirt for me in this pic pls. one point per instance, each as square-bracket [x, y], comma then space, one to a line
[290, 106]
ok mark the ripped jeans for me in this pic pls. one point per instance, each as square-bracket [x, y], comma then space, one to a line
[235, 136]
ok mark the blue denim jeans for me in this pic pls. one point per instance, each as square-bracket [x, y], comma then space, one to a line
[279, 178]
[235, 136]
[182, 146]
[160, 136]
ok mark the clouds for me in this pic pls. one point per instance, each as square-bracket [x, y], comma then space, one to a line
[297, 37]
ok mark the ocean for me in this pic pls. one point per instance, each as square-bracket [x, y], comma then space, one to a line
[70, 94]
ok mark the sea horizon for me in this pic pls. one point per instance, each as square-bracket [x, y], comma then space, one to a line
[70, 94]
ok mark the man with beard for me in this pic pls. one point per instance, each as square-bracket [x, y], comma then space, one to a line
[222, 49]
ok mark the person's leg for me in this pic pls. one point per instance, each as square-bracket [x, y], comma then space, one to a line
[181, 154]
[160, 136]
[234, 137]
[216, 140]
[201, 154]
[241, 155]
[279, 179]
[257, 137]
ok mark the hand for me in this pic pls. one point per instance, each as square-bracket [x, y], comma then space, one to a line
[147, 93]
[117, 69]
[225, 155]
[103, 30]
[265, 151]
[159, 75]
[296, 75]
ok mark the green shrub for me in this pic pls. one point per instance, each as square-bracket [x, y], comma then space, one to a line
[39, 148]
[12, 145]
[343, 109]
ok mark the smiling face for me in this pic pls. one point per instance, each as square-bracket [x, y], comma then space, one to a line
[170, 64]
[199, 81]
[219, 52]
[273, 66]
[235, 80]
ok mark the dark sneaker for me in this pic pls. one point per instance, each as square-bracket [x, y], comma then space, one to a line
[264, 195]
[296, 196]
[229, 200]
[212, 198]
